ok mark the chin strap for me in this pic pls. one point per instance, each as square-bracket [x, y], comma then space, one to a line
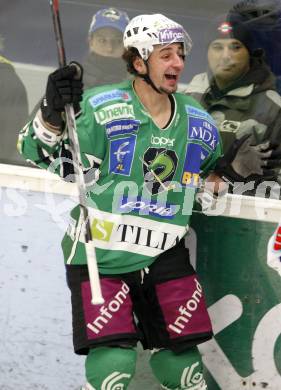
[148, 80]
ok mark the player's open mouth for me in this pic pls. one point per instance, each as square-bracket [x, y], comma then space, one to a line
[171, 76]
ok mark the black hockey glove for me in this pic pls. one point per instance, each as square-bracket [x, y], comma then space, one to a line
[244, 160]
[64, 86]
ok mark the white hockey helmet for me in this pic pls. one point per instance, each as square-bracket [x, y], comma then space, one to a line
[145, 31]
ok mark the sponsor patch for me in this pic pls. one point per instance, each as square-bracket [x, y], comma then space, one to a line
[147, 207]
[108, 96]
[188, 314]
[113, 317]
[159, 167]
[169, 35]
[162, 141]
[114, 111]
[201, 127]
[121, 155]
[107, 233]
[191, 170]
[122, 126]
[133, 233]
[102, 230]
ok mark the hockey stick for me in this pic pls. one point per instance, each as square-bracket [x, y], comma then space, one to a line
[97, 297]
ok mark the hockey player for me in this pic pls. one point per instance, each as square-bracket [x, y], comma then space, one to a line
[144, 148]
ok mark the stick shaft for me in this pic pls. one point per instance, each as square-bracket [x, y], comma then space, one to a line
[78, 168]
[58, 32]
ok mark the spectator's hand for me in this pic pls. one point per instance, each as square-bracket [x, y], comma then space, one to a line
[64, 86]
[274, 160]
[244, 159]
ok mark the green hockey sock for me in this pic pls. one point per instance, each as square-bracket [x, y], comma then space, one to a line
[178, 371]
[110, 367]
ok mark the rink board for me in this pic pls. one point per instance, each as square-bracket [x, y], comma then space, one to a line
[243, 293]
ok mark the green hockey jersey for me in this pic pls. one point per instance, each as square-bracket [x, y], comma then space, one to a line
[141, 179]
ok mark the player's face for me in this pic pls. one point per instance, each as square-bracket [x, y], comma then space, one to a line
[228, 60]
[107, 42]
[166, 64]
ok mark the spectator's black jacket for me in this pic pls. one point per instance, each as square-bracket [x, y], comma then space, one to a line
[13, 112]
[249, 106]
[99, 70]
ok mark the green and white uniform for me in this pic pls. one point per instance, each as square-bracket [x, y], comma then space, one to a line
[133, 218]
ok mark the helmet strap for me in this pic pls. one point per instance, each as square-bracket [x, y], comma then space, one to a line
[147, 78]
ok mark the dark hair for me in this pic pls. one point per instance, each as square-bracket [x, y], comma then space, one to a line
[129, 56]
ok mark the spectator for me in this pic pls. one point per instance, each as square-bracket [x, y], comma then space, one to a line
[103, 64]
[263, 19]
[14, 110]
[239, 91]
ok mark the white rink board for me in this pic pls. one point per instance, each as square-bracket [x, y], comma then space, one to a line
[35, 327]
[235, 206]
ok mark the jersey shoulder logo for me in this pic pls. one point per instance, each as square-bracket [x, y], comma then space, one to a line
[201, 128]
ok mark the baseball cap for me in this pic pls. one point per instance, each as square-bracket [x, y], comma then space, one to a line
[109, 17]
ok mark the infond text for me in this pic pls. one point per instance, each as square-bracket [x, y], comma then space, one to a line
[107, 312]
[186, 311]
